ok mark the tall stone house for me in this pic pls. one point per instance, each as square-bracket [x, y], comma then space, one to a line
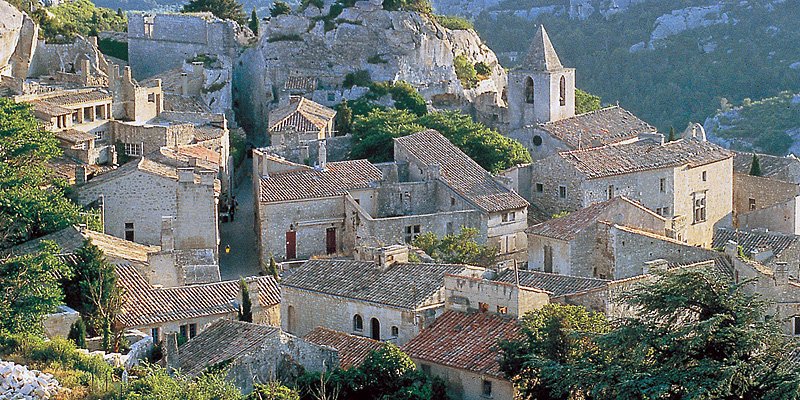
[432, 186]
[302, 120]
[687, 181]
[771, 200]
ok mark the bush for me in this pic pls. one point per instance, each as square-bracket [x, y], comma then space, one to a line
[483, 69]
[586, 102]
[284, 38]
[376, 59]
[80, 17]
[77, 333]
[465, 71]
[272, 391]
[358, 78]
[421, 6]
[279, 8]
[454, 22]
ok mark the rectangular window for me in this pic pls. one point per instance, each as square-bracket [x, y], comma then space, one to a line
[129, 231]
[331, 96]
[452, 201]
[562, 192]
[99, 135]
[699, 207]
[705, 176]
[192, 330]
[184, 331]
[487, 388]
[151, 98]
[412, 231]
[395, 331]
[134, 149]
[502, 310]
[662, 184]
[483, 307]
[796, 321]
[751, 204]
[539, 188]
[154, 332]
[449, 228]
[509, 216]
[610, 192]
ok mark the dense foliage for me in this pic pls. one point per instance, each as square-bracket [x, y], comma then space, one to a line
[461, 248]
[696, 335]
[586, 102]
[224, 9]
[252, 23]
[279, 8]
[454, 22]
[755, 166]
[421, 6]
[385, 374]
[373, 134]
[682, 79]
[764, 125]
[245, 311]
[32, 202]
[80, 17]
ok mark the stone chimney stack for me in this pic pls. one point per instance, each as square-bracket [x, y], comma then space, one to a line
[185, 175]
[323, 155]
[252, 287]
[85, 65]
[434, 172]
[171, 359]
[391, 255]
[184, 84]
[126, 75]
[781, 274]
[167, 234]
[80, 175]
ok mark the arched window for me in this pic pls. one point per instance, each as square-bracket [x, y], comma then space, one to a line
[562, 92]
[375, 327]
[358, 323]
[529, 90]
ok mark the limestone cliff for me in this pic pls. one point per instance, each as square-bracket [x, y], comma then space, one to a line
[389, 45]
[18, 35]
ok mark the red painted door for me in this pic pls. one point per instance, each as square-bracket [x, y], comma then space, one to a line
[330, 240]
[291, 245]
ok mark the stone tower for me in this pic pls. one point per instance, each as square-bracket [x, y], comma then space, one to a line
[540, 90]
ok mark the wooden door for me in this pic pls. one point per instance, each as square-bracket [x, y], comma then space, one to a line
[330, 240]
[291, 245]
[375, 326]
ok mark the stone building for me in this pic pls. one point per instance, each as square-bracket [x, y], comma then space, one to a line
[352, 349]
[541, 108]
[251, 354]
[431, 187]
[769, 201]
[687, 181]
[764, 247]
[390, 300]
[308, 120]
[136, 196]
[564, 245]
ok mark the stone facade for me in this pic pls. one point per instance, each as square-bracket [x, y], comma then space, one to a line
[766, 203]
[466, 385]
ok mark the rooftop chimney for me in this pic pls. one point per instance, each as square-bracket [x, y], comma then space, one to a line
[184, 84]
[185, 174]
[167, 234]
[80, 175]
[323, 155]
[126, 74]
[781, 274]
[171, 358]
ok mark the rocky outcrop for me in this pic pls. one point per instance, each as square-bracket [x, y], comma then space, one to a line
[18, 35]
[689, 18]
[577, 9]
[19, 382]
[390, 46]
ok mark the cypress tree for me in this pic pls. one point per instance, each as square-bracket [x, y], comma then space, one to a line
[254, 22]
[755, 166]
[77, 333]
[671, 134]
[246, 307]
[344, 118]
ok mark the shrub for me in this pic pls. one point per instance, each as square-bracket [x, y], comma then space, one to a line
[454, 22]
[483, 69]
[77, 333]
[279, 8]
[358, 78]
[376, 59]
[465, 71]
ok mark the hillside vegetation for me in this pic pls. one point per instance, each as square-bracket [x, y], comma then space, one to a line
[684, 76]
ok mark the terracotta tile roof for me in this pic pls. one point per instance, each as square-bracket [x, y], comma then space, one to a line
[567, 227]
[224, 340]
[147, 305]
[176, 102]
[785, 169]
[557, 284]
[71, 239]
[599, 162]
[203, 133]
[49, 109]
[406, 286]
[303, 115]
[597, 128]
[69, 98]
[541, 54]
[352, 349]
[466, 341]
[460, 172]
[754, 240]
[310, 183]
[302, 83]
[74, 136]
[194, 155]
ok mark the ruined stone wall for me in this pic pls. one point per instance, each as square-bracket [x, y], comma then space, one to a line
[466, 293]
[561, 254]
[51, 58]
[781, 217]
[466, 385]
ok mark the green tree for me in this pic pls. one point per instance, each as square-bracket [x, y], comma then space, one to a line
[253, 23]
[245, 311]
[272, 391]
[755, 166]
[280, 8]
[32, 202]
[461, 248]
[465, 71]
[77, 333]
[344, 118]
[224, 9]
[421, 6]
[671, 136]
[373, 133]
[586, 102]
[63, 22]
[29, 289]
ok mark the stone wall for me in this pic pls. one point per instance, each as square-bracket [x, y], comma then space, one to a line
[466, 293]
[466, 385]
[551, 173]
[781, 217]
[196, 220]
[51, 58]
[766, 203]
[58, 324]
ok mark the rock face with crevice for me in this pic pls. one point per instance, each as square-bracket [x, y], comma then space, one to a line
[18, 33]
[391, 46]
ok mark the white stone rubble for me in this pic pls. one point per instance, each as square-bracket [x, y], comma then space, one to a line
[19, 382]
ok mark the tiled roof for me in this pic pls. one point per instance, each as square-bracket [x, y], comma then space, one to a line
[541, 54]
[352, 349]
[175, 102]
[303, 115]
[78, 97]
[147, 305]
[597, 128]
[222, 341]
[639, 156]
[72, 238]
[753, 240]
[310, 183]
[785, 169]
[194, 155]
[465, 341]
[402, 285]
[557, 284]
[460, 172]
[74, 136]
[49, 109]
[303, 83]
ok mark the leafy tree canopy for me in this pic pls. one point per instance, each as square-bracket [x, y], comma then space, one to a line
[280, 8]
[225, 9]
[586, 102]
[80, 17]
[461, 248]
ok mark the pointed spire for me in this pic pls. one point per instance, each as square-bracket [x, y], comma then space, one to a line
[541, 55]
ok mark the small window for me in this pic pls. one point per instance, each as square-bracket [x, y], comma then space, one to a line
[412, 231]
[452, 202]
[155, 333]
[483, 307]
[699, 207]
[662, 184]
[395, 331]
[705, 177]
[192, 330]
[487, 388]
[502, 310]
[358, 323]
[151, 98]
[99, 135]
[509, 216]
[129, 231]
[562, 92]
[537, 140]
[184, 331]
[134, 149]
[529, 90]
[751, 204]
[796, 323]
[449, 227]
[562, 192]
[539, 188]
[610, 192]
